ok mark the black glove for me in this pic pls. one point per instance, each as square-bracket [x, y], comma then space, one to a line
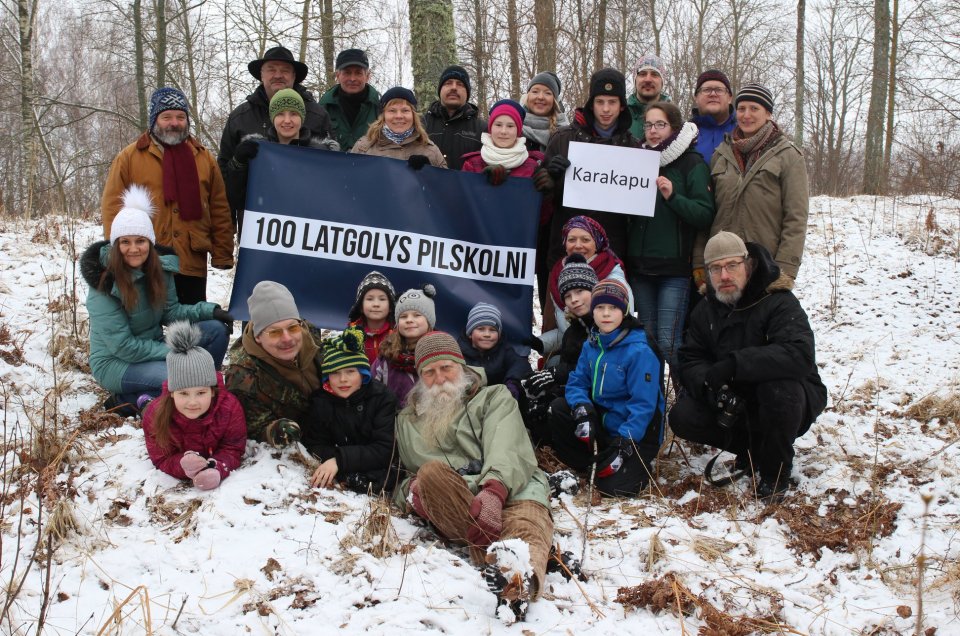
[537, 384]
[542, 180]
[418, 161]
[557, 166]
[246, 150]
[586, 419]
[611, 459]
[225, 318]
[720, 374]
[282, 432]
[496, 174]
[534, 343]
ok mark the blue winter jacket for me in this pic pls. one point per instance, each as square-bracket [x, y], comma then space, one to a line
[621, 377]
[711, 133]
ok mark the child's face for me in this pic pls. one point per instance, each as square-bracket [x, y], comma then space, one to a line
[345, 382]
[578, 301]
[376, 305]
[484, 338]
[193, 402]
[607, 317]
[412, 324]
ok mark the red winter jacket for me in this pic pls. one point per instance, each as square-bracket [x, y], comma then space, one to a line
[473, 162]
[220, 434]
[373, 339]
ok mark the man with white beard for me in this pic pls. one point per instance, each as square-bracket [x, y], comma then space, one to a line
[472, 472]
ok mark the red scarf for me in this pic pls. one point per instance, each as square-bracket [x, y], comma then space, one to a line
[603, 263]
[181, 183]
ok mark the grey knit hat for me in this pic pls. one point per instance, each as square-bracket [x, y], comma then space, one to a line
[484, 315]
[188, 364]
[270, 302]
[724, 245]
[548, 79]
[418, 300]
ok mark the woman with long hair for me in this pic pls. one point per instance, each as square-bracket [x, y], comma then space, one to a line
[398, 132]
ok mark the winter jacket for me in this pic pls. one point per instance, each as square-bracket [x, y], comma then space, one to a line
[473, 162]
[662, 245]
[489, 429]
[768, 205]
[404, 150]
[454, 135]
[397, 380]
[373, 339]
[560, 313]
[766, 333]
[615, 224]
[345, 133]
[505, 364]
[357, 431]
[638, 112]
[220, 434]
[265, 394]
[570, 347]
[142, 163]
[119, 339]
[712, 133]
[620, 375]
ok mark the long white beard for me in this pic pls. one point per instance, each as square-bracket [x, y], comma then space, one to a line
[438, 407]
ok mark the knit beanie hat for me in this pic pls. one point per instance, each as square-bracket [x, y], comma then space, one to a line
[548, 79]
[373, 280]
[510, 108]
[418, 300]
[134, 218]
[713, 75]
[653, 62]
[484, 315]
[755, 93]
[608, 81]
[724, 245]
[167, 98]
[576, 274]
[590, 225]
[437, 345]
[270, 302]
[287, 99]
[344, 352]
[612, 292]
[454, 72]
[398, 92]
[188, 364]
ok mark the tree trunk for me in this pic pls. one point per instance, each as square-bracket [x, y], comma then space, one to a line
[26, 20]
[138, 65]
[546, 25]
[513, 42]
[601, 35]
[326, 38]
[873, 146]
[892, 93]
[480, 53]
[226, 58]
[652, 14]
[433, 44]
[800, 79]
[161, 10]
[304, 28]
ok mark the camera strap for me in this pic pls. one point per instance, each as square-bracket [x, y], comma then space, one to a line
[723, 481]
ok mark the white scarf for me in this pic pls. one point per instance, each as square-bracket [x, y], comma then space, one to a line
[677, 147]
[509, 158]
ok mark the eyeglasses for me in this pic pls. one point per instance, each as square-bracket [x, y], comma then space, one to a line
[275, 333]
[659, 125]
[712, 91]
[730, 268]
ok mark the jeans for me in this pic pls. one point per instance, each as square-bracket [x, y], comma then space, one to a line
[662, 308]
[148, 377]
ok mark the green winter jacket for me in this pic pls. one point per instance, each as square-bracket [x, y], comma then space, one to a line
[637, 111]
[119, 339]
[490, 429]
[343, 132]
[662, 245]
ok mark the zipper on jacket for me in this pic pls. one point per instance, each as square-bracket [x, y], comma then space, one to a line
[603, 376]
[596, 368]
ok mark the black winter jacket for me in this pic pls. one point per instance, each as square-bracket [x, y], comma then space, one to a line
[456, 135]
[504, 364]
[766, 333]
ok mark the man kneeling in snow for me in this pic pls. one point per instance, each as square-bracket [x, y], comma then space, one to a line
[473, 471]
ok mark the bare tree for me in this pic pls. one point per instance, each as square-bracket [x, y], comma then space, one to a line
[873, 144]
[434, 46]
[800, 78]
[546, 34]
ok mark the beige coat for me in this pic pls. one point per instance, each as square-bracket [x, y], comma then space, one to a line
[142, 163]
[768, 205]
[410, 146]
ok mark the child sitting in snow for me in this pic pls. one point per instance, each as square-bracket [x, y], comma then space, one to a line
[372, 312]
[416, 315]
[483, 345]
[196, 428]
[351, 423]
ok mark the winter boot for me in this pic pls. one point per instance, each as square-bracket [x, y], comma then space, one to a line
[507, 574]
[563, 481]
[772, 491]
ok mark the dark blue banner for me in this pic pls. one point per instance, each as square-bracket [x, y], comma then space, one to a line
[319, 221]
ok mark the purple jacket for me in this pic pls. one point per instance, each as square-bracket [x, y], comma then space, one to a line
[397, 380]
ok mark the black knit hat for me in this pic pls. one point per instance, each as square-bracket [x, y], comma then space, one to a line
[454, 72]
[398, 92]
[279, 54]
[755, 93]
[373, 280]
[576, 274]
[608, 81]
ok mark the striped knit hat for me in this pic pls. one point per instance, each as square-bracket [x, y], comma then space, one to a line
[484, 315]
[344, 352]
[611, 292]
[755, 93]
[576, 274]
[437, 345]
[287, 99]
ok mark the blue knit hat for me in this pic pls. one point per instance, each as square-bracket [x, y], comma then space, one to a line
[484, 315]
[167, 98]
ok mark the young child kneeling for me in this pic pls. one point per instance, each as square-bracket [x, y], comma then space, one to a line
[612, 414]
[483, 345]
[196, 429]
[351, 424]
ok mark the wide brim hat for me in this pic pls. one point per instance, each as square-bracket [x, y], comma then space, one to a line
[279, 54]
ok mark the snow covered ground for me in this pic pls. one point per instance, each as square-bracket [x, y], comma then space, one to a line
[135, 552]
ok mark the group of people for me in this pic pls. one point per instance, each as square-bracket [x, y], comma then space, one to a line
[449, 422]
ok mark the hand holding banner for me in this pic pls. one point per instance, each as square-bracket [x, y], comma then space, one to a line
[611, 179]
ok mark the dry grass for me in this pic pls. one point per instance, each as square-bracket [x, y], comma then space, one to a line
[932, 407]
[374, 532]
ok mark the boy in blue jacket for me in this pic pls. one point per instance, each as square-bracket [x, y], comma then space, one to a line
[612, 412]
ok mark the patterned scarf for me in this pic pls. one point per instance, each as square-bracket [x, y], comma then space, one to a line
[405, 361]
[181, 184]
[509, 158]
[398, 138]
[747, 150]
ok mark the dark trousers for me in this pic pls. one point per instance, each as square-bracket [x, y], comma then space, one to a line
[638, 455]
[190, 289]
[775, 414]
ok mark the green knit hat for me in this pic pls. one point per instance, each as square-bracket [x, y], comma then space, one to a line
[287, 99]
[344, 352]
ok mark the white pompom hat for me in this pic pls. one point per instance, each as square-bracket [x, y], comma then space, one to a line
[134, 218]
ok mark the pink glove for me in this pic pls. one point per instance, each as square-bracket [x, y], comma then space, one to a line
[192, 463]
[487, 512]
[415, 500]
[207, 479]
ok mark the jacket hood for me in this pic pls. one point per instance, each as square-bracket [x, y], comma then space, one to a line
[765, 271]
[467, 111]
[584, 119]
[92, 265]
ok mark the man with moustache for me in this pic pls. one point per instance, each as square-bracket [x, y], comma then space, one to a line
[648, 88]
[473, 473]
[712, 111]
[748, 368]
[452, 122]
[186, 187]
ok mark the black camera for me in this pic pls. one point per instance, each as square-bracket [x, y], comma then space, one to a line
[731, 407]
[473, 468]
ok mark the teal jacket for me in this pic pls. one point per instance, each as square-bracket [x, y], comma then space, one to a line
[638, 110]
[343, 132]
[119, 339]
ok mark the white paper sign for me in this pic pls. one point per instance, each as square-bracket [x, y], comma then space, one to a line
[611, 179]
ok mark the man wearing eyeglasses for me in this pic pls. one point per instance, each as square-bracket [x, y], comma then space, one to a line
[274, 366]
[748, 368]
[713, 111]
